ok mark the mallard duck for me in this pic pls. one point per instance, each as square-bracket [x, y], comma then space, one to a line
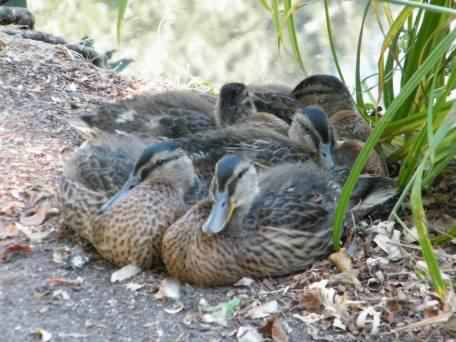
[326, 91]
[334, 98]
[347, 151]
[349, 124]
[276, 102]
[169, 114]
[312, 127]
[93, 173]
[128, 227]
[236, 106]
[175, 114]
[253, 225]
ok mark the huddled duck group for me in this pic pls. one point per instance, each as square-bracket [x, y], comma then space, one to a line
[244, 184]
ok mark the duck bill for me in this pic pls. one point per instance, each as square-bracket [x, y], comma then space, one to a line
[122, 193]
[327, 155]
[220, 214]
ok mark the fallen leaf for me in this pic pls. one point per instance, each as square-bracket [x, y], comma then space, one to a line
[14, 248]
[248, 334]
[310, 300]
[38, 216]
[134, 286]
[125, 273]
[410, 234]
[65, 282]
[11, 208]
[363, 319]
[264, 310]
[339, 324]
[169, 288]
[220, 313]
[61, 294]
[244, 282]
[274, 329]
[341, 260]
[31, 235]
[43, 335]
[7, 230]
[334, 304]
[388, 245]
[176, 308]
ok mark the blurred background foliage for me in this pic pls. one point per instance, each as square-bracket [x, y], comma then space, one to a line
[213, 41]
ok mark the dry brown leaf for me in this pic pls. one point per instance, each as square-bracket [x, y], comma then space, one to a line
[341, 260]
[14, 248]
[31, 234]
[274, 329]
[310, 300]
[7, 230]
[11, 208]
[38, 216]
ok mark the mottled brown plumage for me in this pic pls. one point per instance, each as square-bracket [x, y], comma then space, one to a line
[276, 223]
[169, 114]
[311, 127]
[128, 228]
[236, 106]
[347, 151]
[349, 124]
[326, 91]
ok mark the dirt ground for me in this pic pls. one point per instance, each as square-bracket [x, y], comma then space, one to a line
[54, 287]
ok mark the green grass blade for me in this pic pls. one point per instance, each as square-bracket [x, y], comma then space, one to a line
[419, 216]
[331, 41]
[430, 119]
[265, 4]
[121, 9]
[389, 44]
[425, 6]
[276, 21]
[359, 91]
[428, 65]
[292, 36]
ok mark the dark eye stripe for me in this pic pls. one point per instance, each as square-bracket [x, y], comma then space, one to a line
[146, 171]
[232, 184]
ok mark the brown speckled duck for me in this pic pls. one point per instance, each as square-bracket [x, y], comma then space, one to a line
[253, 225]
[169, 114]
[334, 98]
[174, 114]
[312, 127]
[127, 229]
[236, 106]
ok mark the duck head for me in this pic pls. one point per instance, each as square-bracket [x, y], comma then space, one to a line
[158, 162]
[235, 104]
[311, 127]
[233, 187]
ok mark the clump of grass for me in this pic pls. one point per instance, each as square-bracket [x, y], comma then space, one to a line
[419, 123]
